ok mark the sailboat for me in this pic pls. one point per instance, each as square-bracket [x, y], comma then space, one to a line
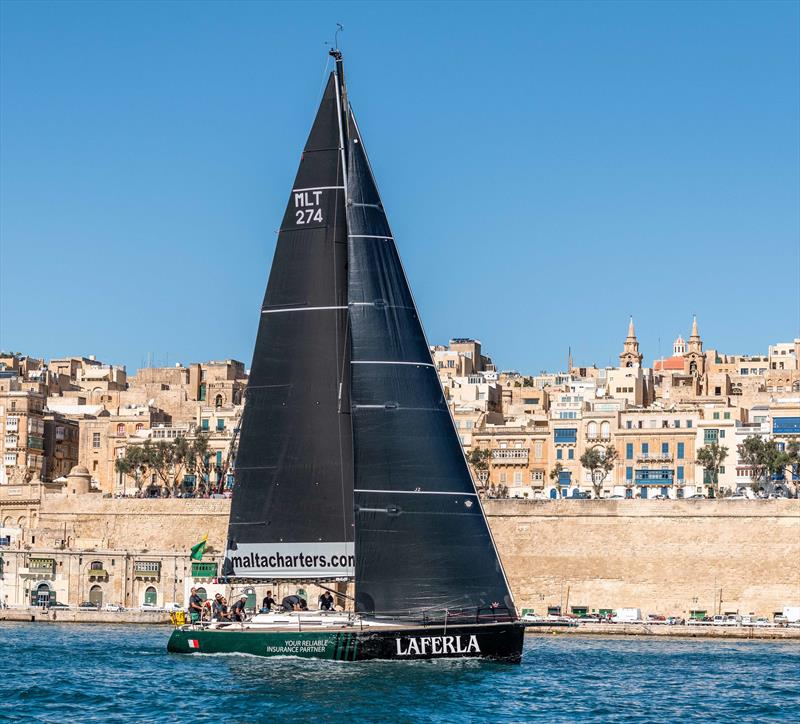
[349, 470]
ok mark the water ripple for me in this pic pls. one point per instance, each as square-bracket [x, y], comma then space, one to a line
[93, 673]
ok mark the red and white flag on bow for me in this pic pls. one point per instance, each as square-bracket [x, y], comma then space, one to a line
[194, 644]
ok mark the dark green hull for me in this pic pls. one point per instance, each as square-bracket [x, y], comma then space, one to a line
[497, 642]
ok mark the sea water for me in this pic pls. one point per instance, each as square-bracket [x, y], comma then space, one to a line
[88, 672]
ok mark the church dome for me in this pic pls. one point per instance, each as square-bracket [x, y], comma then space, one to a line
[79, 470]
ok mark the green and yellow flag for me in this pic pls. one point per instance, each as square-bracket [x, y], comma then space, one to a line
[198, 549]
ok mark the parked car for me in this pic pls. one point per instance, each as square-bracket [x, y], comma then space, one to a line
[113, 607]
[57, 604]
[696, 496]
[88, 606]
[150, 607]
[616, 497]
[173, 607]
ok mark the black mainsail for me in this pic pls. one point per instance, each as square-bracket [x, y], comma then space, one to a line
[348, 459]
[291, 513]
[423, 547]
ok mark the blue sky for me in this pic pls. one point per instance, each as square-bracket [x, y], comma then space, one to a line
[548, 169]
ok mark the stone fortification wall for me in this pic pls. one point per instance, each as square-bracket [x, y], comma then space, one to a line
[661, 556]
[135, 524]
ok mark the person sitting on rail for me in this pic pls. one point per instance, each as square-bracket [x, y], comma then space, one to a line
[326, 602]
[237, 610]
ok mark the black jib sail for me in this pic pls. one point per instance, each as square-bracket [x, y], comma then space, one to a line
[291, 514]
[423, 546]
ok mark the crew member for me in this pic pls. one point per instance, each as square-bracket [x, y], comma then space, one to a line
[195, 606]
[237, 610]
[293, 603]
[218, 608]
[268, 602]
[326, 601]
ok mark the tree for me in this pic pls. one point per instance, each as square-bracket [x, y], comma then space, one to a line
[555, 474]
[135, 462]
[599, 461]
[753, 453]
[711, 458]
[478, 458]
[768, 462]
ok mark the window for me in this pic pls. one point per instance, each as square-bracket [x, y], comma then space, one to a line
[591, 430]
[559, 454]
[571, 454]
[204, 424]
[710, 436]
[665, 448]
[95, 440]
[139, 426]
[727, 415]
[219, 458]
[628, 424]
[537, 449]
[218, 401]
[220, 424]
[645, 448]
[722, 433]
[717, 391]
[688, 423]
[716, 416]
[537, 476]
[681, 450]
[677, 423]
[517, 478]
[605, 431]
[680, 472]
[628, 473]
[121, 429]
[502, 477]
[629, 451]
[202, 395]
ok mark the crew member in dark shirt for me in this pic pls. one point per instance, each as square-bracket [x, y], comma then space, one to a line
[237, 610]
[218, 608]
[293, 603]
[268, 602]
[326, 602]
[195, 606]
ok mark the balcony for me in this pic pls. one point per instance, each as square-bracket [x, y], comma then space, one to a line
[204, 570]
[511, 455]
[35, 442]
[38, 567]
[147, 569]
[98, 573]
[654, 457]
[599, 438]
[654, 477]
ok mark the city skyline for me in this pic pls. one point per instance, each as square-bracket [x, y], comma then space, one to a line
[633, 159]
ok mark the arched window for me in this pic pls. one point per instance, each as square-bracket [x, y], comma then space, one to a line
[218, 401]
[139, 426]
[121, 428]
[202, 593]
[96, 596]
[150, 596]
[96, 566]
[693, 366]
[591, 430]
[605, 430]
